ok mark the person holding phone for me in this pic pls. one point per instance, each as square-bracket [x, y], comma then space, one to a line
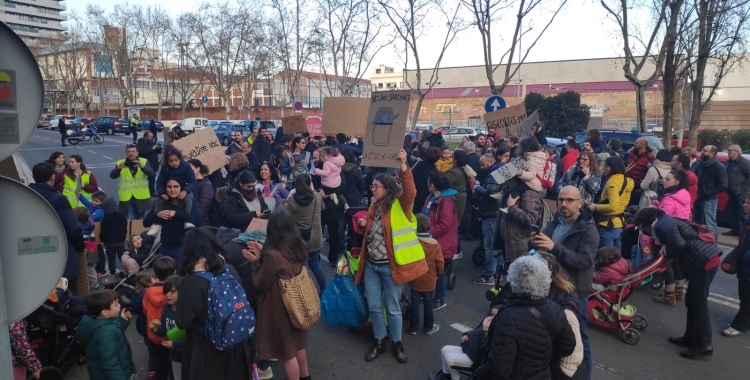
[244, 202]
[133, 173]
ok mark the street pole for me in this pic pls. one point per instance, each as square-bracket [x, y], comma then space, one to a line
[101, 96]
[298, 62]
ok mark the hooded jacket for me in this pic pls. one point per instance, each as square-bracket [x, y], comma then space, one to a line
[108, 354]
[443, 222]
[541, 137]
[183, 174]
[676, 202]
[331, 172]
[70, 223]
[153, 305]
[535, 171]
[712, 179]
[355, 184]
[306, 212]
[114, 227]
[612, 273]
[435, 264]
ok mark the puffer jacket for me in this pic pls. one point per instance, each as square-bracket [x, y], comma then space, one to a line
[682, 242]
[204, 193]
[613, 273]
[443, 222]
[516, 225]
[458, 180]
[676, 202]
[108, 354]
[712, 179]
[535, 169]
[331, 172]
[489, 201]
[613, 204]
[520, 347]
[354, 184]
[637, 165]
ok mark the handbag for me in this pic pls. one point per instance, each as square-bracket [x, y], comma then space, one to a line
[306, 232]
[300, 298]
[731, 262]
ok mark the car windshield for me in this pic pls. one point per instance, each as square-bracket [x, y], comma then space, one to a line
[414, 136]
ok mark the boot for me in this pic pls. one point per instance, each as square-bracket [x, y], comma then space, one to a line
[440, 376]
[398, 351]
[678, 293]
[697, 352]
[667, 298]
[376, 350]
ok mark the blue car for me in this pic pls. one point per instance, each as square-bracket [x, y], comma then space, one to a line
[112, 124]
[225, 130]
[145, 124]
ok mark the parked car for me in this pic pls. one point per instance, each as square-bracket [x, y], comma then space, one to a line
[192, 124]
[81, 122]
[55, 119]
[455, 135]
[442, 130]
[145, 124]
[211, 124]
[225, 130]
[626, 137]
[415, 135]
[112, 124]
[685, 132]
[44, 121]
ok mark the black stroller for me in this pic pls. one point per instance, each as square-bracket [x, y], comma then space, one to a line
[124, 285]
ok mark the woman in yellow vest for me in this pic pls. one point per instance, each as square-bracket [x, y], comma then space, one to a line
[391, 255]
[75, 180]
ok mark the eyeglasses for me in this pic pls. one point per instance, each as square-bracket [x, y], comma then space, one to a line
[568, 200]
[732, 150]
[373, 187]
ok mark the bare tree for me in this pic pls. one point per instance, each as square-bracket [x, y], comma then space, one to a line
[676, 63]
[185, 78]
[157, 24]
[408, 20]
[528, 11]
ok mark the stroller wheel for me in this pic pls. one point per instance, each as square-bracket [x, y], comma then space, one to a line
[490, 294]
[631, 336]
[640, 322]
[657, 285]
[478, 256]
[451, 281]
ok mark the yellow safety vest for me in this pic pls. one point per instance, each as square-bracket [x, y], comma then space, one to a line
[133, 187]
[250, 140]
[70, 187]
[406, 246]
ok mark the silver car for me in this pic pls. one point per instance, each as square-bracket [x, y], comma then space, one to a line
[457, 134]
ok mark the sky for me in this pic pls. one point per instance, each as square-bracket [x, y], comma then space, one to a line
[580, 31]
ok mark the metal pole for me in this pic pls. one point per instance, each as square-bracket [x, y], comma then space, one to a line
[298, 62]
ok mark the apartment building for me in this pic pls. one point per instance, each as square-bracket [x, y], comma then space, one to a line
[32, 19]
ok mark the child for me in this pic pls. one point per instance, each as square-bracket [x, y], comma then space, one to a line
[423, 288]
[445, 163]
[144, 281]
[331, 173]
[168, 323]
[102, 331]
[92, 253]
[300, 166]
[174, 168]
[153, 305]
[612, 267]
[534, 171]
[135, 253]
[95, 205]
[113, 232]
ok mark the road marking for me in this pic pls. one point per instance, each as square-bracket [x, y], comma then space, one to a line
[92, 151]
[109, 158]
[725, 303]
[730, 299]
[461, 327]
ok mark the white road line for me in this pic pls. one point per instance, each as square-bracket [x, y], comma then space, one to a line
[109, 158]
[725, 303]
[725, 298]
[92, 151]
[461, 327]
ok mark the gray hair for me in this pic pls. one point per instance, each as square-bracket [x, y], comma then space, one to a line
[529, 276]
[489, 157]
[470, 147]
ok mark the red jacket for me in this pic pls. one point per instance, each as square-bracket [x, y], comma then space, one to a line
[91, 187]
[444, 222]
[153, 305]
[693, 189]
[569, 159]
[613, 273]
[637, 166]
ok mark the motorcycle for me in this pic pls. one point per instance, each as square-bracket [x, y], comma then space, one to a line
[86, 134]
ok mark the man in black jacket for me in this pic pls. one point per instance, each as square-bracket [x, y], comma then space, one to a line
[235, 145]
[738, 176]
[712, 180]
[262, 145]
[252, 158]
[63, 128]
[573, 240]
[150, 150]
[153, 129]
[44, 177]
[489, 204]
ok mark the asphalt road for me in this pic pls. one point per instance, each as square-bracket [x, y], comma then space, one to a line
[337, 353]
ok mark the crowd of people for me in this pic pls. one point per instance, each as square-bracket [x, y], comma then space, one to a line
[257, 222]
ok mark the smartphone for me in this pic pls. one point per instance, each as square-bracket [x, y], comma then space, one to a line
[536, 229]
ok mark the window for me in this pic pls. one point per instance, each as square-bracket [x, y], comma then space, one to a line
[380, 85]
[377, 71]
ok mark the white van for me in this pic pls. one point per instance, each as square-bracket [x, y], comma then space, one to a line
[423, 127]
[192, 124]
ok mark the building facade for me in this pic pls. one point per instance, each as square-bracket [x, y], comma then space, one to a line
[32, 19]
[384, 78]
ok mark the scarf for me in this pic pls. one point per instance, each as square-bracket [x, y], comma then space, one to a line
[249, 195]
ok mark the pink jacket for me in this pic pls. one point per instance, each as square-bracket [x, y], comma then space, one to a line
[613, 273]
[535, 171]
[676, 204]
[331, 172]
[443, 222]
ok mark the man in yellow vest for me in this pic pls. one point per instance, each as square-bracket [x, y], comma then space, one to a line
[133, 174]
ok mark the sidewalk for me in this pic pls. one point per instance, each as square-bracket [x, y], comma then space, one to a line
[727, 241]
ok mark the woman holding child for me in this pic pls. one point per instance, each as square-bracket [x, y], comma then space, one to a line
[172, 218]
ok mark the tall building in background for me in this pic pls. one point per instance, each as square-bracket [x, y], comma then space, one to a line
[32, 19]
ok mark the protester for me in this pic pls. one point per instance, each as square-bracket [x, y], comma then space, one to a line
[173, 218]
[738, 184]
[154, 304]
[238, 164]
[480, 141]
[692, 153]
[273, 190]
[341, 144]
[444, 163]
[235, 146]
[421, 171]
[489, 204]
[288, 168]
[168, 322]
[152, 128]
[150, 150]
[614, 147]
[656, 173]
[741, 320]
[132, 174]
[252, 159]
[682, 162]
[136, 252]
[63, 129]
[529, 150]
[460, 177]
[204, 190]
[586, 147]
[330, 174]
[525, 208]
[639, 161]
[510, 143]
[538, 133]
[262, 145]
[585, 176]
[243, 202]
[712, 180]
[609, 212]
[594, 137]
[75, 181]
[423, 288]
[440, 207]
[175, 168]
[113, 233]
[353, 181]
[57, 160]
[571, 156]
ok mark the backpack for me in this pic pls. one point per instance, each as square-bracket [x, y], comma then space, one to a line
[229, 318]
[547, 215]
[704, 233]
[296, 172]
[659, 184]
[271, 199]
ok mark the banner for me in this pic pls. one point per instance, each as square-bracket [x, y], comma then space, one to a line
[506, 120]
[524, 129]
[345, 115]
[294, 124]
[204, 146]
[386, 127]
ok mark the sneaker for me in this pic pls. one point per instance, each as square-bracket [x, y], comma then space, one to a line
[155, 228]
[481, 280]
[437, 305]
[458, 256]
[265, 375]
[434, 329]
[189, 226]
[730, 332]
[412, 332]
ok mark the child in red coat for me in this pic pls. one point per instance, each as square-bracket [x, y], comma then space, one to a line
[612, 267]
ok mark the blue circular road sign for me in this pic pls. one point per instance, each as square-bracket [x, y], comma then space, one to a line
[204, 99]
[297, 106]
[494, 103]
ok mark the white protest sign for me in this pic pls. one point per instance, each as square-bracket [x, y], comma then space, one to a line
[505, 173]
[524, 129]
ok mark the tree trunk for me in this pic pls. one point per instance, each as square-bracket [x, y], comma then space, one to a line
[669, 79]
[640, 102]
[184, 104]
[417, 108]
[158, 112]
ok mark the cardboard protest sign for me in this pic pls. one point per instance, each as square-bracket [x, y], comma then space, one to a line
[386, 127]
[314, 125]
[505, 173]
[294, 124]
[524, 129]
[506, 120]
[258, 224]
[204, 146]
[345, 115]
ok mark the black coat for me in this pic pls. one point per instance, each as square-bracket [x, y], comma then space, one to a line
[577, 252]
[262, 148]
[152, 127]
[520, 346]
[474, 164]
[436, 140]
[421, 172]
[146, 150]
[237, 214]
[573, 303]
[355, 184]
[204, 193]
[488, 204]
[62, 127]
[173, 230]
[740, 176]
[683, 243]
[238, 261]
[541, 137]
[712, 179]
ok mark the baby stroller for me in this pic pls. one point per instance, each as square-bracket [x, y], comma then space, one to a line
[124, 285]
[607, 307]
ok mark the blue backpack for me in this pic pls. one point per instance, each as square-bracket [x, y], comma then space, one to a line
[229, 318]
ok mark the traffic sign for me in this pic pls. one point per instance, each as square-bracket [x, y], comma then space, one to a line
[240, 107]
[297, 106]
[449, 113]
[204, 99]
[494, 103]
[260, 109]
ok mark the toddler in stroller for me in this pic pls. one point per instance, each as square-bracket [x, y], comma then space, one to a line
[139, 254]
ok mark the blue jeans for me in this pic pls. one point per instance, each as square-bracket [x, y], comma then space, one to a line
[174, 251]
[488, 236]
[705, 213]
[416, 299]
[441, 287]
[588, 359]
[133, 213]
[610, 238]
[380, 290]
[313, 262]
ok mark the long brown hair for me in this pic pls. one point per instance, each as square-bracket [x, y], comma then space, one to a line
[560, 281]
[593, 161]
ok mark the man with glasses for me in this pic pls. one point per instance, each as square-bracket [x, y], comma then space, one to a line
[573, 239]
[133, 193]
[712, 180]
[586, 147]
[738, 176]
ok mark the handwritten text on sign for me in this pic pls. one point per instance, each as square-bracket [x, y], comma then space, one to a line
[524, 129]
[506, 120]
[386, 126]
[505, 173]
[204, 146]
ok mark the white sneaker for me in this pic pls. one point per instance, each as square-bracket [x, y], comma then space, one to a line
[265, 375]
[730, 332]
[458, 256]
[334, 198]
[155, 228]
[189, 226]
